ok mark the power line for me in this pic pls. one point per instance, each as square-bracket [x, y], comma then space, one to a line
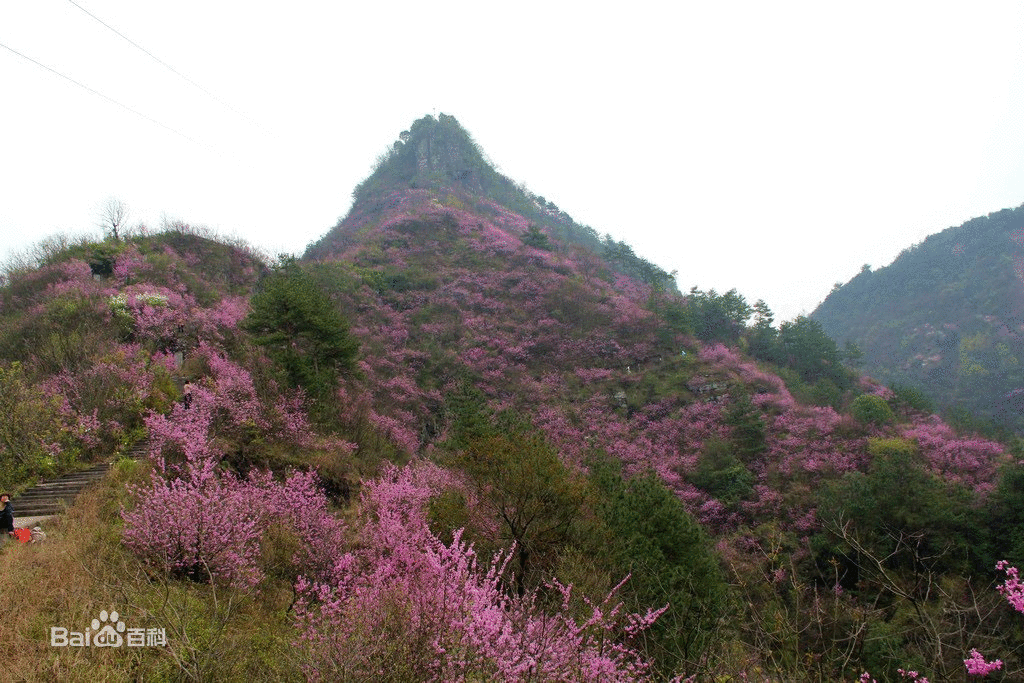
[106, 97]
[168, 66]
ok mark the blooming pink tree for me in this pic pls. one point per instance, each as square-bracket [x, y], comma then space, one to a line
[408, 602]
[201, 526]
[207, 525]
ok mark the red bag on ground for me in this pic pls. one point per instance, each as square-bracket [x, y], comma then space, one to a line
[23, 535]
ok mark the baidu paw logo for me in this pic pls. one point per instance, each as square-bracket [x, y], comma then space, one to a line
[107, 630]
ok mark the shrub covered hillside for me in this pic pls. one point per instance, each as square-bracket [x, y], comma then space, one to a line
[464, 438]
[88, 341]
[946, 316]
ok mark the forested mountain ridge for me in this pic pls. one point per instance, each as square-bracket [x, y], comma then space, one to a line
[434, 448]
[947, 316]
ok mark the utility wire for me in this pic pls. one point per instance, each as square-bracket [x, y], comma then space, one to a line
[169, 67]
[107, 98]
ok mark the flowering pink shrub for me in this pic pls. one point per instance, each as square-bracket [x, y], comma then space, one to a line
[108, 400]
[769, 390]
[1012, 589]
[129, 264]
[977, 666]
[79, 279]
[302, 507]
[719, 355]
[225, 405]
[870, 386]
[227, 313]
[971, 461]
[163, 317]
[803, 441]
[183, 435]
[593, 374]
[235, 391]
[207, 525]
[202, 526]
[408, 602]
[398, 430]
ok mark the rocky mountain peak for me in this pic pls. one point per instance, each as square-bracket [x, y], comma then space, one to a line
[432, 153]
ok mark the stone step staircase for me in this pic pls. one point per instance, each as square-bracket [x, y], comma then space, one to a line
[48, 498]
[51, 497]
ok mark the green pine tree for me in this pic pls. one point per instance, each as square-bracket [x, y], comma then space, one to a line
[301, 329]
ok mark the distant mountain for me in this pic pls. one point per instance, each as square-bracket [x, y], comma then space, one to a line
[947, 316]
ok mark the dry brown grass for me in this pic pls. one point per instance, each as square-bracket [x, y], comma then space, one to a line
[65, 582]
[82, 569]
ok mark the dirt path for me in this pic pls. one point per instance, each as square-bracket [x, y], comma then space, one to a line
[29, 522]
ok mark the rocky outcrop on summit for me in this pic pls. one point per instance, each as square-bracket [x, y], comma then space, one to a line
[439, 160]
[435, 153]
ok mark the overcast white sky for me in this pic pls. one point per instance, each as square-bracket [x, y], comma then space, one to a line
[772, 147]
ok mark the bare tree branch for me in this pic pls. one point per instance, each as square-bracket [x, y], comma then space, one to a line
[114, 217]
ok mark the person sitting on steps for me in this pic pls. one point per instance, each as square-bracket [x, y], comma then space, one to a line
[6, 515]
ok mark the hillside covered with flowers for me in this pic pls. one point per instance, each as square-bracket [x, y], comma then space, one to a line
[466, 438]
